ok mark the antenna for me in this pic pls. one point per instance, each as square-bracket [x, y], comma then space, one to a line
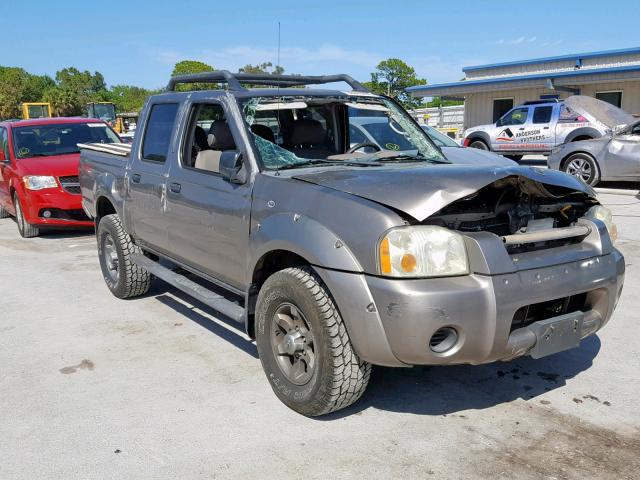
[278, 64]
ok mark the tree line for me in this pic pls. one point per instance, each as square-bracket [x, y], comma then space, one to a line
[70, 89]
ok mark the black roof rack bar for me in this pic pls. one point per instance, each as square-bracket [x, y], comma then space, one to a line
[234, 80]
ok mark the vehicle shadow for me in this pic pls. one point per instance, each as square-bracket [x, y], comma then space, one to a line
[188, 309]
[446, 390]
[47, 234]
[422, 390]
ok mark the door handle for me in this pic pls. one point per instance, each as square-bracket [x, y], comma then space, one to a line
[135, 178]
[546, 128]
[521, 128]
[175, 187]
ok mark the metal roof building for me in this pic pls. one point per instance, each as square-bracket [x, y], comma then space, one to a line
[491, 90]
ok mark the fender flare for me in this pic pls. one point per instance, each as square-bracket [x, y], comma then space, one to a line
[303, 236]
[582, 132]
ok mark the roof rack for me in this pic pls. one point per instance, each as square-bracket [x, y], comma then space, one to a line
[542, 100]
[235, 80]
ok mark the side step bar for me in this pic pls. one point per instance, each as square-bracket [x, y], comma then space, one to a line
[232, 310]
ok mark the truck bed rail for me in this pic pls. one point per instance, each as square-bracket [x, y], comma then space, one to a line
[121, 149]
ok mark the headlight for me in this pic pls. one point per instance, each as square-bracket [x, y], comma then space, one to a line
[422, 251]
[39, 182]
[604, 214]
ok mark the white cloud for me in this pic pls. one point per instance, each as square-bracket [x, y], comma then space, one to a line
[294, 59]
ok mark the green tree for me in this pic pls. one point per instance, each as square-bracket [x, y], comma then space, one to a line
[266, 67]
[73, 89]
[12, 89]
[438, 102]
[129, 98]
[192, 66]
[392, 77]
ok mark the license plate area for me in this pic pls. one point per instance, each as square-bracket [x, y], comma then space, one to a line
[556, 334]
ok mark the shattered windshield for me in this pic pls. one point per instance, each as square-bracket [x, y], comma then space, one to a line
[350, 129]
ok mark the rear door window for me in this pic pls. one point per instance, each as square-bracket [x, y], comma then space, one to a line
[157, 136]
[542, 114]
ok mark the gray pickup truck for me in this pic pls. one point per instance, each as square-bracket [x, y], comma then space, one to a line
[335, 256]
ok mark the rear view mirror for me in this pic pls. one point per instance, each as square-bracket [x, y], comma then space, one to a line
[231, 167]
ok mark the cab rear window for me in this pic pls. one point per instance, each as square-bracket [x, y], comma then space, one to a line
[157, 135]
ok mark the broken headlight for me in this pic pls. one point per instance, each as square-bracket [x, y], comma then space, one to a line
[604, 214]
[422, 251]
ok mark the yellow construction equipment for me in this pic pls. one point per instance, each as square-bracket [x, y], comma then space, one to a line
[105, 111]
[36, 110]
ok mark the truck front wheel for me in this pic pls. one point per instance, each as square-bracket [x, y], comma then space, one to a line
[304, 346]
[115, 249]
[479, 144]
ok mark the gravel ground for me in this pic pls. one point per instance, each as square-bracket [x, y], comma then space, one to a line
[92, 387]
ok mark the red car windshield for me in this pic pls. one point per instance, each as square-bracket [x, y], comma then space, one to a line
[59, 139]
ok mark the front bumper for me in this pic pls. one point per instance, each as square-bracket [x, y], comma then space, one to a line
[482, 308]
[65, 209]
[392, 321]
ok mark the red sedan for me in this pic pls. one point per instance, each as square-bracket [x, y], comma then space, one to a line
[39, 171]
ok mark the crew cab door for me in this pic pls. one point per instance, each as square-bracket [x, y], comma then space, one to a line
[503, 137]
[538, 134]
[147, 177]
[208, 216]
[622, 158]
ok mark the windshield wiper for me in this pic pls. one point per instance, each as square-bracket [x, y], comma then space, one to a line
[405, 157]
[311, 163]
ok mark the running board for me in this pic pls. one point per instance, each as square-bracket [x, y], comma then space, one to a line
[232, 310]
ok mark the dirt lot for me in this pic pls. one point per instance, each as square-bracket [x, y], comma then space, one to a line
[92, 387]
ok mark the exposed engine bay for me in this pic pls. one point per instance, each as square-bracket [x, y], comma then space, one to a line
[515, 205]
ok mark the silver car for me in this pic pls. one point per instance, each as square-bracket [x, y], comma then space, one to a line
[379, 131]
[614, 156]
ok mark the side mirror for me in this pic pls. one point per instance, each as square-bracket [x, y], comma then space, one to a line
[231, 167]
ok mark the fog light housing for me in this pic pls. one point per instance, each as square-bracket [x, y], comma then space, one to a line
[443, 340]
[46, 214]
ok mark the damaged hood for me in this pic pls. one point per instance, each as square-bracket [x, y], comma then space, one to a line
[421, 191]
[603, 112]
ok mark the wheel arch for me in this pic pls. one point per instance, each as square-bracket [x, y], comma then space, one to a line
[104, 207]
[583, 133]
[478, 135]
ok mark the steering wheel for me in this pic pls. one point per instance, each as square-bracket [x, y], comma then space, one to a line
[360, 145]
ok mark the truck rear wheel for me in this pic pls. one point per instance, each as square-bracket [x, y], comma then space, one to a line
[25, 229]
[115, 249]
[304, 346]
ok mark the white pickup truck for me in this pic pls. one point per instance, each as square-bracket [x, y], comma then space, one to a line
[534, 128]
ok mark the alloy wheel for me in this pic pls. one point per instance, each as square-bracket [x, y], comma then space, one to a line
[580, 168]
[293, 344]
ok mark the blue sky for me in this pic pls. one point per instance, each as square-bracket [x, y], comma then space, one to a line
[138, 42]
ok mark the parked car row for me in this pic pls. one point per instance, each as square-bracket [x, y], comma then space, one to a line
[336, 231]
[583, 136]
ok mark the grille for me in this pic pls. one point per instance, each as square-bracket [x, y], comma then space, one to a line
[535, 312]
[71, 184]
